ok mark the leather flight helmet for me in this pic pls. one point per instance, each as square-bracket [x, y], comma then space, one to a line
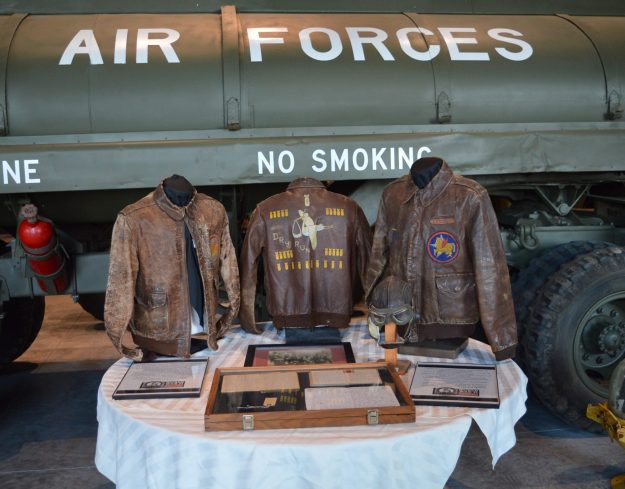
[390, 301]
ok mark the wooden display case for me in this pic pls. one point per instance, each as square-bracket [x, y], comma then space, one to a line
[305, 396]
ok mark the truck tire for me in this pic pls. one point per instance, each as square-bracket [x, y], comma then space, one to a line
[575, 334]
[22, 321]
[93, 304]
[529, 282]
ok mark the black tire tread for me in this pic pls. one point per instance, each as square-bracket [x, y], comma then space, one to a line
[93, 304]
[530, 280]
[20, 326]
[539, 339]
[528, 284]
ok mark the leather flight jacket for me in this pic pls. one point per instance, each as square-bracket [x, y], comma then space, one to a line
[147, 289]
[315, 247]
[444, 240]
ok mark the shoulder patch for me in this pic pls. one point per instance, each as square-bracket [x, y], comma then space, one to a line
[443, 247]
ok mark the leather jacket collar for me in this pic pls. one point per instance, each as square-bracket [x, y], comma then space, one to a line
[175, 212]
[433, 189]
[305, 182]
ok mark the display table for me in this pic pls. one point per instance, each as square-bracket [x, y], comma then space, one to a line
[162, 444]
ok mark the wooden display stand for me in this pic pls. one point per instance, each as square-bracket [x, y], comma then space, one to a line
[390, 354]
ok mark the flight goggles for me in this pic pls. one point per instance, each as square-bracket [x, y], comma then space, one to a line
[399, 315]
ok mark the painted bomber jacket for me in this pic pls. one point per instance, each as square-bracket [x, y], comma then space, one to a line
[315, 246]
[147, 287]
[444, 240]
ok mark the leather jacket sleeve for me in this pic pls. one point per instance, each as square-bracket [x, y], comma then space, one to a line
[120, 291]
[253, 246]
[492, 280]
[379, 252]
[229, 272]
[363, 246]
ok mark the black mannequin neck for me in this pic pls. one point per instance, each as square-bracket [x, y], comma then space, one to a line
[178, 190]
[424, 170]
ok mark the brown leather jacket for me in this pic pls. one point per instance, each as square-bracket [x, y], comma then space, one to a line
[315, 247]
[147, 283]
[444, 240]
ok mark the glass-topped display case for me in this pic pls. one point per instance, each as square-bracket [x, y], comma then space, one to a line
[298, 396]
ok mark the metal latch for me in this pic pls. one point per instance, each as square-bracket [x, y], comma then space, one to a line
[443, 108]
[373, 416]
[233, 111]
[248, 422]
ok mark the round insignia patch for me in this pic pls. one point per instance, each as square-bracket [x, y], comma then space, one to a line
[443, 247]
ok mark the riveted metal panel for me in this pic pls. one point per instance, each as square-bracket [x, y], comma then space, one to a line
[289, 88]
[94, 127]
[608, 36]
[226, 157]
[8, 26]
[49, 98]
[561, 81]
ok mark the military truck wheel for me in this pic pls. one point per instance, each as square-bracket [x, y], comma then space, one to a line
[20, 325]
[93, 304]
[529, 282]
[575, 334]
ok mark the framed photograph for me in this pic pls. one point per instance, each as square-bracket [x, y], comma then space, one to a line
[455, 384]
[280, 354]
[162, 379]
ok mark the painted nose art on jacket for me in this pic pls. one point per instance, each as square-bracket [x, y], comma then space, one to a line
[304, 225]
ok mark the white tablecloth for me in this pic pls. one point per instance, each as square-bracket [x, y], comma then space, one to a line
[161, 444]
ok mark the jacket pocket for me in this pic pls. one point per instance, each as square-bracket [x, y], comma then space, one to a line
[457, 298]
[152, 315]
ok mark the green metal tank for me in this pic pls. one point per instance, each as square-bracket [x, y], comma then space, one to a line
[234, 98]
[100, 101]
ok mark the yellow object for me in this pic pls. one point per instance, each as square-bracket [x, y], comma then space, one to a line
[618, 482]
[615, 426]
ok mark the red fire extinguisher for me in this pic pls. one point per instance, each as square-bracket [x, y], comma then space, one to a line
[43, 251]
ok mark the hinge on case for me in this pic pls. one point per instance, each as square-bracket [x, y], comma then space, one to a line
[248, 422]
[373, 416]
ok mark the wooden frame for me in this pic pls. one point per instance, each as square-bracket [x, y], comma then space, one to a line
[273, 418]
[260, 355]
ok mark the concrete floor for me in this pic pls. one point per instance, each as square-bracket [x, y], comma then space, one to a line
[48, 423]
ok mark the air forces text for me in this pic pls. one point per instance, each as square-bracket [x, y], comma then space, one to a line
[318, 43]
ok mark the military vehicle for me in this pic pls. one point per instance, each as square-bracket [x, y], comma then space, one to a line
[101, 100]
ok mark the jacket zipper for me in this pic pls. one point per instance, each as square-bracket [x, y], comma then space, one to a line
[206, 317]
[185, 281]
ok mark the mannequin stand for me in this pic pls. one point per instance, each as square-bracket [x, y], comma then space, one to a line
[312, 336]
[448, 348]
[390, 354]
